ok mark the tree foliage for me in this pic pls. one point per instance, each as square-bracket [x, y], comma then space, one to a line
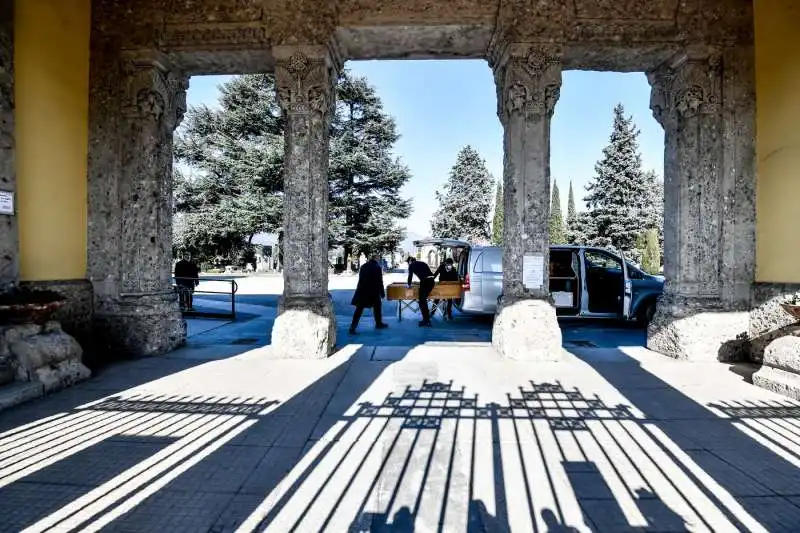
[620, 200]
[466, 200]
[557, 233]
[229, 177]
[234, 158]
[365, 180]
[497, 222]
[571, 213]
[651, 251]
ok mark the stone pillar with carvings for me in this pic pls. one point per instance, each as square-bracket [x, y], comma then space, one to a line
[528, 79]
[9, 244]
[136, 306]
[305, 78]
[695, 318]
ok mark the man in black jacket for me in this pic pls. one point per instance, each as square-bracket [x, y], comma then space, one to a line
[369, 293]
[447, 272]
[187, 277]
[426, 284]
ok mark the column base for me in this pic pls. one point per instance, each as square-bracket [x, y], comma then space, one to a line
[305, 328]
[139, 326]
[781, 369]
[527, 330]
[698, 330]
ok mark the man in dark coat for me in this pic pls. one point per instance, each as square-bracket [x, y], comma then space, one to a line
[447, 272]
[187, 277]
[369, 293]
[426, 284]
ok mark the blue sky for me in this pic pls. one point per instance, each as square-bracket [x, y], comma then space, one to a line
[441, 106]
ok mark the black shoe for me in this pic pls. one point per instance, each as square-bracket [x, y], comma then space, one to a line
[352, 331]
[425, 324]
[381, 326]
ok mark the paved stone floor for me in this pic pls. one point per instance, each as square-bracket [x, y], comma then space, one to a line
[433, 434]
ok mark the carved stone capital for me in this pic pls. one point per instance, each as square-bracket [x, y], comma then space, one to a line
[686, 87]
[305, 79]
[154, 92]
[528, 79]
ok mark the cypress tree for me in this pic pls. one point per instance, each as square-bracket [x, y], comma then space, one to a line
[557, 235]
[651, 252]
[497, 223]
[571, 213]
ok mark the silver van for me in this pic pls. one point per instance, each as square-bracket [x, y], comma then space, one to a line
[584, 281]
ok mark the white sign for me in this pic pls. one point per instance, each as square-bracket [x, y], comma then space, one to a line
[6, 203]
[533, 271]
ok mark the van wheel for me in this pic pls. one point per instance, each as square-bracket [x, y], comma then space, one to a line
[646, 312]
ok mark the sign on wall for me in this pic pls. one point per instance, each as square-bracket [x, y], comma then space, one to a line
[6, 203]
[533, 271]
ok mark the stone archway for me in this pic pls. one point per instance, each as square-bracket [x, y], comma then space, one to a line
[700, 64]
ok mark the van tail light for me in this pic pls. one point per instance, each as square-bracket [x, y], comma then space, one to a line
[465, 286]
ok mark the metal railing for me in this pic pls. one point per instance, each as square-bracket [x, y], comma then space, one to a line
[206, 285]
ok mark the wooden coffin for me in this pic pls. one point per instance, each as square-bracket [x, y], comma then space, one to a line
[442, 291]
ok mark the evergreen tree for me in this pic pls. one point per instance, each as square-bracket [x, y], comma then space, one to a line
[234, 158]
[557, 235]
[234, 155]
[618, 194]
[497, 223]
[466, 200]
[365, 180]
[571, 213]
[654, 205]
[651, 252]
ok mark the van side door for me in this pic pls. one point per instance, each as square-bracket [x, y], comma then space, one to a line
[492, 278]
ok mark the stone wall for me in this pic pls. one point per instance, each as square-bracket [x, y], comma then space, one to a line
[9, 241]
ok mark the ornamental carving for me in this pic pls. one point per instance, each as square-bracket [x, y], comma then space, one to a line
[155, 94]
[305, 85]
[686, 90]
[528, 79]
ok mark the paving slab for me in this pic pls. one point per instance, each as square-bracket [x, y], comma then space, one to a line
[437, 434]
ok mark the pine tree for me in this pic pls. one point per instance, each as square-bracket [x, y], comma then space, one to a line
[618, 194]
[557, 235]
[466, 200]
[365, 180]
[234, 154]
[497, 223]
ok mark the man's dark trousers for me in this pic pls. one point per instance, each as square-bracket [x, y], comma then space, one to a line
[425, 288]
[376, 310]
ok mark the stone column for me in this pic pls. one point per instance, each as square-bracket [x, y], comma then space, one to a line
[528, 79]
[305, 78]
[699, 316]
[9, 242]
[136, 308]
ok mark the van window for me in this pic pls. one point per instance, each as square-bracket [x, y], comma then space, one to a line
[493, 262]
[478, 266]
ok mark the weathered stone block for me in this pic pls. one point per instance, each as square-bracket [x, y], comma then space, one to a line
[76, 316]
[44, 355]
[527, 330]
[139, 326]
[696, 332]
[305, 328]
[781, 369]
[766, 314]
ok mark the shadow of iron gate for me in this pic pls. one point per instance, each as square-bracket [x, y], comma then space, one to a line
[188, 289]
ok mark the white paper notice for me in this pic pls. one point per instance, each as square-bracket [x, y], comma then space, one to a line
[533, 271]
[6, 203]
